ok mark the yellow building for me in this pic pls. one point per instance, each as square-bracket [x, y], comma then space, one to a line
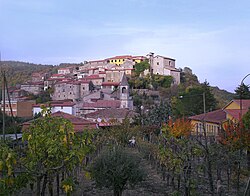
[237, 108]
[211, 121]
[214, 121]
[119, 60]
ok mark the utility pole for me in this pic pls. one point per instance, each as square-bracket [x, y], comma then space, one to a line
[3, 98]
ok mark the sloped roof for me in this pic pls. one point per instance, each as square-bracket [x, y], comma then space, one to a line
[235, 113]
[55, 104]
[103, 104]
[217, 116]
[110, 83]
[124, 81]
[245, 103]
[112, 113]
[78, 123]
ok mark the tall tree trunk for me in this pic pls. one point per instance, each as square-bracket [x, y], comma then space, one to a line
[50, 186]
[45, 180]
[38, 185]
[57, 184]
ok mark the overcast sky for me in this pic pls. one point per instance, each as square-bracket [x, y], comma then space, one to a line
[212, 37]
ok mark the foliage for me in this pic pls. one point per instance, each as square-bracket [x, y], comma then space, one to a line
[12, 125]
[242, 92]
[161, 81]
[179, 128]
[53, 147]
[116, 168]
[246, 120]
[222, 96]
[141, 67]
[7, 165]
[190, 102]
[235, 135]
[20, 72]
[120, 134]
[42, 97]
[157, 115]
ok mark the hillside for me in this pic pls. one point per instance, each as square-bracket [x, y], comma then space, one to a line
[222, 96]
[20, 72]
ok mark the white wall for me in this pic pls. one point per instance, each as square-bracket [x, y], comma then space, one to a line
[66, 109]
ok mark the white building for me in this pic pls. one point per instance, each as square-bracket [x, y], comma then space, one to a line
[66, 107]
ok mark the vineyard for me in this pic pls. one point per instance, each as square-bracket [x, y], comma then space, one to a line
[166, 160]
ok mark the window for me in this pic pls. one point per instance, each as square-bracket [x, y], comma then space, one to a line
[63, 90]
[124, 90]
[83, 88]
[61, 107]
[157, 63]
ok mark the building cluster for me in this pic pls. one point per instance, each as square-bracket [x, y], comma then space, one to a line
[96, 90]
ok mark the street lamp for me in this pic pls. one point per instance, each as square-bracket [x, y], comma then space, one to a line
[241, 84]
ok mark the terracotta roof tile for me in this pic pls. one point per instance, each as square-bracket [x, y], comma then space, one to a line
[112, 113]
[217, 116]
[103, 104]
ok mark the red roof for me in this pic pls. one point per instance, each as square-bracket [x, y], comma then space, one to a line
[112, 113]
[55, 104]
[121, 57]
[245, 103]
[94, 76]
[103, 104]
[79, 124]
[235, 113]
[217, 116]
[110, 83]
[96, 61]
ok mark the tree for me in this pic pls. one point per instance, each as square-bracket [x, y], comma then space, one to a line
[161, 81]
[190, 102]
[242, 92]
[141, 67]
[53, 148]
[116, 168]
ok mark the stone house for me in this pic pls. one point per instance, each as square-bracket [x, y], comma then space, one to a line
[96, 79]
[33, 87]
[66, 90]
[165, 66]
[65, 70]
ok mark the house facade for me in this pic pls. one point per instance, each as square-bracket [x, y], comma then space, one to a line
[213, 122]
[165, 66]
[66, 107]
[20, 108]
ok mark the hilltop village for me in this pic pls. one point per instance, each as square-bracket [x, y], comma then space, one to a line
[98, 90]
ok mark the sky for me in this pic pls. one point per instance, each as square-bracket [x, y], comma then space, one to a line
[212, 37]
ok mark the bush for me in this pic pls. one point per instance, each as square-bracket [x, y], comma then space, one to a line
[116, 168]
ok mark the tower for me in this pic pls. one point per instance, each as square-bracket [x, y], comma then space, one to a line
[126, 102]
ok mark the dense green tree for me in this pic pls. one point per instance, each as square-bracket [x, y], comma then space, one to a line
[141, 67]
[115, 168]
[161, 81]
[242, 92]
[190, 102]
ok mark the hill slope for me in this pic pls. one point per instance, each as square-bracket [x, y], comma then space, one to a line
[20, 72]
